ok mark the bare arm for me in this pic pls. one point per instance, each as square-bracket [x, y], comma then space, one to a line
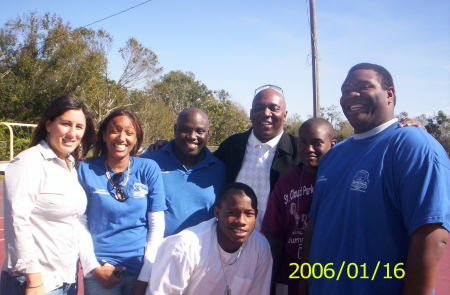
[34, 286]
[156, 146]
[425, 252]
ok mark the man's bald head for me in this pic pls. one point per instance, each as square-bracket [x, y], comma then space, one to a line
[192, 112]
[268, 114]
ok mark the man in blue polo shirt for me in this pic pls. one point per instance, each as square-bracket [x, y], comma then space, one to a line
[192, 175]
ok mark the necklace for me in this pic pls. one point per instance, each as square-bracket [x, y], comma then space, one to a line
[224, 263]
[115, 180]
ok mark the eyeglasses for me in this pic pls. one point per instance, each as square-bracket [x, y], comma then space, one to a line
[121, 194]
[267, 86]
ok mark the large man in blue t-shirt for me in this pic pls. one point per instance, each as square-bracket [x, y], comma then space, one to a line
[192, 175]
[381, 206]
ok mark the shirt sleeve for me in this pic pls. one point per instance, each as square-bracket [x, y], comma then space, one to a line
[88, 259]
[156, 196]
[422, 190]
[22, 183]
[156, 227]
[263, 273]
[174, 264]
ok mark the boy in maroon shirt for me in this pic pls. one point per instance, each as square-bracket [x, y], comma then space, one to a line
[289, 203]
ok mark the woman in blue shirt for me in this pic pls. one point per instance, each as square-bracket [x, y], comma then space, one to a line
[126, 204]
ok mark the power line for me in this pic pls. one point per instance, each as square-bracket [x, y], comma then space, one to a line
[115, 14]
[41, 43]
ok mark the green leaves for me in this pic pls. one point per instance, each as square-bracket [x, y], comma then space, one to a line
[42, 57]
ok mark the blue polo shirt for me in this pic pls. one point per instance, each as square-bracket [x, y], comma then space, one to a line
[190, 191]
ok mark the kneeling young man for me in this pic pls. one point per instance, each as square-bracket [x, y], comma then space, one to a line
[220, 256]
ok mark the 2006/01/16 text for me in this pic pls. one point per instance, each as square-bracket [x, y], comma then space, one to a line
[351, 270]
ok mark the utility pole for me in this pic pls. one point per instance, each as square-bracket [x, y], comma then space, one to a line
[315, 64]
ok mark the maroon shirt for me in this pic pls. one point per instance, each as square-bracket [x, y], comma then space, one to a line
[286, 218]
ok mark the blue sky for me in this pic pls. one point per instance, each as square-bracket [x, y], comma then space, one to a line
[240, 45]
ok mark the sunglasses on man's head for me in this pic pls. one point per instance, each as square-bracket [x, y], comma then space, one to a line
[267, 86]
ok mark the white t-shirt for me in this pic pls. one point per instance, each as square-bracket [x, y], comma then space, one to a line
[189, 263]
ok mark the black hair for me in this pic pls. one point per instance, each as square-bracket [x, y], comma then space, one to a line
[318, 122]
[58, 107]
[384, 76]
[100, 145]
[237, 187]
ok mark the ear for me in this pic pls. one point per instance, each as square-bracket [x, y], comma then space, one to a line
[333, 142]
[391, 95]
[216, 211]
[47, 126]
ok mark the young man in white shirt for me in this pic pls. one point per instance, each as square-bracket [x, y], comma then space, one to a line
[223, 255]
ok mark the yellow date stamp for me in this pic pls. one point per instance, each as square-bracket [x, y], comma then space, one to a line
[351, 270]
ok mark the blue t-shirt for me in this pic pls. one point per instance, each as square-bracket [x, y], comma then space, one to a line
[370, 196]
[190, 191]
[119, 229]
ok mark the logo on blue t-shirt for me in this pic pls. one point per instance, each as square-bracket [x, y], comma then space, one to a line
[140, 190]
[360, 181]
[321, 178]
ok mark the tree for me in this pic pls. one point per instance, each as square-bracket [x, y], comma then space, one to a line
[438, 126]
[43, 58]
[292, 124]
[226, 118]
[156, 118]
[180, 90]
[332, 114]
[343, 130]
[141, 64]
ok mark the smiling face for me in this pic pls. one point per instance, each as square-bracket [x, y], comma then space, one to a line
[268, 114]
[191, 136]
[314, 142]
[119, 137]
[236, 220]
[364, 101]
[64, 133]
